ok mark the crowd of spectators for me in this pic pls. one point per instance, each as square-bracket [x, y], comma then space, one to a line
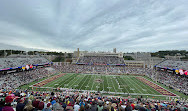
[173, 64]
[101, 60]
[11, 62]
[75, 101]
[175, 81]
[14, 80]
[82, 101]
[100, 69]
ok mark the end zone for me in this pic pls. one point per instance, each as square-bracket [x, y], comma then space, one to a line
[156, 87]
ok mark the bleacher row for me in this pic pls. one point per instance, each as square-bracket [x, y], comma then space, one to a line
[100, 69]
[101, 60]
[24, 100]
[12, 62]
[174, 64]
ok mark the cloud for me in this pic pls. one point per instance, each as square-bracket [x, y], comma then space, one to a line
[64, 25]
[15, 47]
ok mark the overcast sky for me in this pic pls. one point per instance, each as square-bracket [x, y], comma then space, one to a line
[94, 25]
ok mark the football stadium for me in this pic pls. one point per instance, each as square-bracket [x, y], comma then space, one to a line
[93, 55]
[100, 74]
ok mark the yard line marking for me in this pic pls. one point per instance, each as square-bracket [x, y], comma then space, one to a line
[119, 87]
[133, 85]
[89, 82]
[103, 81]
[128, 84]
[93, 82]
[84, 81]
[67, 81]
[57, 81]
[138, 86]
[98, 84]
[113, 85]
[62, 83]
[146, 88]
[80, 81]
[77, 78]
[107, 83]
[123, 82]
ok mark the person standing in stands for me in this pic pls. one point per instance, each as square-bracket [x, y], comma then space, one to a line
[76, 107]
[20, 105]
[57, 107]
[1, 104]
[47, 108]
[28, 106]
[128, 107]
[41, 104]
[8, 106]
[36, 104]
[94, 106]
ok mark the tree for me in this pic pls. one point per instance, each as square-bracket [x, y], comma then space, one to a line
[59, 59]
[128, 58]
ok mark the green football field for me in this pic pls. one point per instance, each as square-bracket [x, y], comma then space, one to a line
[104, 83]
[117, 85]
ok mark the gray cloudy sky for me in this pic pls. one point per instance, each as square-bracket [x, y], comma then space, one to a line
[64, 25]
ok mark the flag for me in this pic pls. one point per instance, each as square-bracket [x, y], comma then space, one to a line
[181, 71]
[27, 67]
[185, 73]
[177, 71]
[23, 68]
[31, 66]
[10, 92]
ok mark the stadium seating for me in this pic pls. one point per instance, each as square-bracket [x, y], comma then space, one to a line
[101, 60]
[179, 83]
[172, 64]
[66, 100]
[14, 61]
[102, 69]
[14, 80]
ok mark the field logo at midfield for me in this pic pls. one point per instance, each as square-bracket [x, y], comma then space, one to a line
[98, 80]
[42, 83]
[156, 87]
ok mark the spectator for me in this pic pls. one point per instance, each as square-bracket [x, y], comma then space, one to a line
[82, 108]
[20, 105]
[28, 106]
[57, 107]
[7, 106]
[47, 108]
[76, 107]
[128, 107]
